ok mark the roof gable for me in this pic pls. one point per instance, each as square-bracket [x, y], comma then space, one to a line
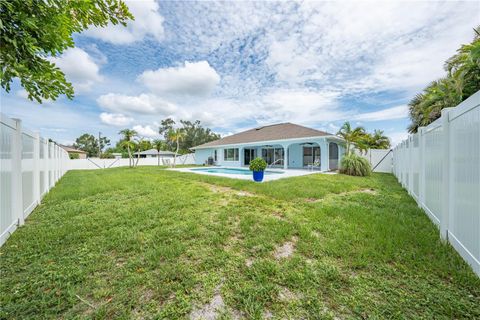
[281, 131]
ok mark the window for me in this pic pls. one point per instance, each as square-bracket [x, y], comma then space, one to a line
[215, 155]
[230, 154]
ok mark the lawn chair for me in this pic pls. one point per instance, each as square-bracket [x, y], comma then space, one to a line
[314, 165]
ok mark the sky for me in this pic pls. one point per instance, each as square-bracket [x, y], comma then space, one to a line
[239, 65]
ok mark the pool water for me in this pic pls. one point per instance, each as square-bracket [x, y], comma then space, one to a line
[234, 171]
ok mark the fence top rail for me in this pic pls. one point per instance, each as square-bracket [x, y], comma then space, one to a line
[8, 121]
[434, 125]
[469, 104]
[28, 133]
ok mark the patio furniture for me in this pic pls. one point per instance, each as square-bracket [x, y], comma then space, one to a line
[314, 165]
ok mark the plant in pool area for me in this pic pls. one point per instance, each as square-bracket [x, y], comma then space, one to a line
[355, 165]
[258, 164]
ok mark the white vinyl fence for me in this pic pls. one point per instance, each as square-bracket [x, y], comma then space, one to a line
[96, 163]
[29, 167]
[381, 160]
[440, 168]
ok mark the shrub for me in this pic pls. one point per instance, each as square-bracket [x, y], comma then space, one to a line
[74, 156]
[355, 165]
[258, 164]
[106, 155]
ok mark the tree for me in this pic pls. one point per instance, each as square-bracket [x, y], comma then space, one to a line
[128, 143]
[462, 80]
[195, 134]
[158, 145]
[377, 140]
[88, 143]
[175, 136]
[34, 30]
[350, 135]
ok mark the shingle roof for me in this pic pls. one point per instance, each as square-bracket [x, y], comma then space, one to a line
[280, 131]
[71, 149]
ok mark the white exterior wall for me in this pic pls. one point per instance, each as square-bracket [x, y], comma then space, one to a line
[440, 168]
[29, 167]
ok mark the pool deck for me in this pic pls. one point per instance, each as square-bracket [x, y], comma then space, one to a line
[286, 173]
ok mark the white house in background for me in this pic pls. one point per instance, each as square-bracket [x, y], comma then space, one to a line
[283, 145]
[153, 153]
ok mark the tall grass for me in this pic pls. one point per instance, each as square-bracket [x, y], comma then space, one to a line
[355, 165]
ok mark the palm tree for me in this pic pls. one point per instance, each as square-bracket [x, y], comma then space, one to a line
[158, 145]
[350, 135]
[128, 143]
[176, 135]
[378, 140]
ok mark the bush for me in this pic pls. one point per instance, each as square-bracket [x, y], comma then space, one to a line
[107, 155]
[74, 156]
[258, 164]
[355, 165]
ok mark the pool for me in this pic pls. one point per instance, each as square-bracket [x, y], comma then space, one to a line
[233, 171]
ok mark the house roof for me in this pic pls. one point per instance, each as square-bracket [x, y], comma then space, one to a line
[71, 149]
[280, 131]
[155, 152]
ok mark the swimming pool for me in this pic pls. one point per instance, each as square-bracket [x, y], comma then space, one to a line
[233, 171]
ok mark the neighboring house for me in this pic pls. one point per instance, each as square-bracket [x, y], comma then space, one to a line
[71, 150]
[153, 153]
[284, 145]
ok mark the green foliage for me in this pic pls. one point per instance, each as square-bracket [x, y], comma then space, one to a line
[258, 164]
[34, 30]
[74, 156]
[107, 155]
[361, 139]
[195, 134]
[89, 143]
[355, 165]
[462, 80]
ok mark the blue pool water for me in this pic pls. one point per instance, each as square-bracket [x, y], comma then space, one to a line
[233, 171]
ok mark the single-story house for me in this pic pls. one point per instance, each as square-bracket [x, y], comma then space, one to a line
[283, 145]
[153, 153]
[72, 151]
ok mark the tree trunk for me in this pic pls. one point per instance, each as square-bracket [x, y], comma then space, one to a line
[129, 157]
[158, 158]
[176, 152]
[138, 158]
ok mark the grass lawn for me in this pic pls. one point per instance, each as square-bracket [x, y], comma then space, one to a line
[152, 243]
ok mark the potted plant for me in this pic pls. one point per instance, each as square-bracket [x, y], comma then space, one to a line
[258, 166]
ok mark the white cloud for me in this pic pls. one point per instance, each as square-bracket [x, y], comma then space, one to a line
[79, 68]
[398, 112]
[115, 119]
[194, 78]
[397, 137]
[148, 22]
[143, 104]
[146, 131]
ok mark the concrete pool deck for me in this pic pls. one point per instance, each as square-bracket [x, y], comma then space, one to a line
[288, 173]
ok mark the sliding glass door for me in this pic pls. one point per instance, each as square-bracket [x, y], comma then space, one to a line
[273, 156]
[311, 155]
[249, 155]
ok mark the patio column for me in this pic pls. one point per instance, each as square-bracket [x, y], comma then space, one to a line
[285, 156]
[323, 143]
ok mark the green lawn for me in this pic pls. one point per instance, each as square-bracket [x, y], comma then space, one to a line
[151, 243]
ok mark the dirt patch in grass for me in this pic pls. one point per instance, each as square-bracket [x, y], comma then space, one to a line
[342, 194]
[221, 189]
[215, 309]
[285, 250]
[285, 295]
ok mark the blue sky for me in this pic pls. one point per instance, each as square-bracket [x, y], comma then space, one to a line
[238, 65]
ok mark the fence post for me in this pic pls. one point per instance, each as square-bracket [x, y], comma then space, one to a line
[45, 165]
[421, 175]
[36, 168]
[17, 190]
[446, 176]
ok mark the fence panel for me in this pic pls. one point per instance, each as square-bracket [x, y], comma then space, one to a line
[29, 167]
[443, 160]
